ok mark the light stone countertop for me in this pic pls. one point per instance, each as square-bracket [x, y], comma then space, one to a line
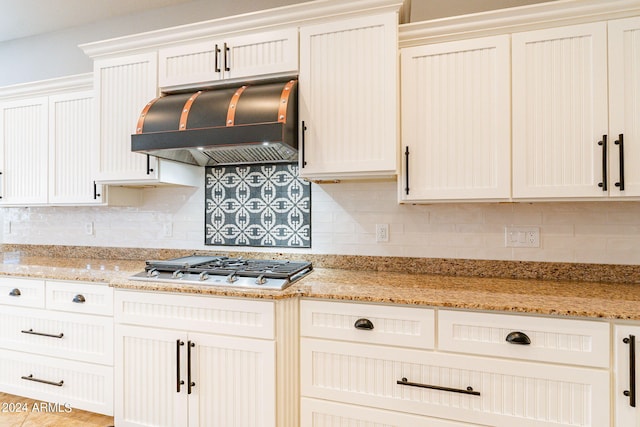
[548, 297]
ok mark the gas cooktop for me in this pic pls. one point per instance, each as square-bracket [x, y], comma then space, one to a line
[225, 271]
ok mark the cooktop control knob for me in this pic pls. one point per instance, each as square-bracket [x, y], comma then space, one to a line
[203, 276]
[177, 274]
[261, 280]
[153, 273]
[232, 278]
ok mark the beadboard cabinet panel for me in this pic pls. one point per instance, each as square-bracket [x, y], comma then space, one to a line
[624, 106]
[24, 154]
[259, 54]
[560, 112]
[510, 393]
[456, 132]
[70, 134]
[348, 98]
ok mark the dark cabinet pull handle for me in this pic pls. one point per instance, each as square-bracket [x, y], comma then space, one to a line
[406, 170]
[216, 62]
[149, 170]
[631, 393]
[517, 337]
[190, 383]
[42, 334]
[304, 128]
[226, 61]
[620, 142]
[179, 381]
[30, 377]
[364, 324]
[468, 390]
[95, 190]
[15, 292]
[603, 144]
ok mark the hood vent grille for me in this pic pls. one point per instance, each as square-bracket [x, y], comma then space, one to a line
[247, 124]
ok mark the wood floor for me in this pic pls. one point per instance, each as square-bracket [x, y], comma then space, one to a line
[16, 411]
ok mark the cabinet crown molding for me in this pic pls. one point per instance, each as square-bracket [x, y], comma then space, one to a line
[280, 17]
[48, 87]
[515, 19]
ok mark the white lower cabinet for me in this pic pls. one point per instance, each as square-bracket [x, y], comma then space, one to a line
[58, 351]
[203, 361]
[346, 381]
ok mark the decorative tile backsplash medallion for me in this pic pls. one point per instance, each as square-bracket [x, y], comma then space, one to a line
[257, 205]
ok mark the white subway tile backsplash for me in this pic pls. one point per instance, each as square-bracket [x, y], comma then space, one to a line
[343, 222]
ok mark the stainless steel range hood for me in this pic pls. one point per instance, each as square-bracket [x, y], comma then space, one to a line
[244, 124]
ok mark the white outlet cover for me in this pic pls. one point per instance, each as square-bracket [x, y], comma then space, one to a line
[521, 237]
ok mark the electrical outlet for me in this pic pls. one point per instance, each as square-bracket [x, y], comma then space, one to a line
[167, 229]
[522, 237]
[382, 233]
[88, 228]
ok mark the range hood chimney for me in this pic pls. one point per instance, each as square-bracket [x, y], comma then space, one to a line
[236, 125]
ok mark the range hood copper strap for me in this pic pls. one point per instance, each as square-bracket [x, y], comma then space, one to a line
[143, 114]
[185, 110]
[284, 100]
[231, 112]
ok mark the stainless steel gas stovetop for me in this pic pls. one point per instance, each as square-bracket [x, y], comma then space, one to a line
[225, 271]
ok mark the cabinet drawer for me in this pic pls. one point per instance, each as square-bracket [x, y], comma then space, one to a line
[66, 335]
[80, 385]
[22, 292]
[321, 413]
[78, 297]
[510, 393]
[576, 342]
[214, 315]
[392, 325]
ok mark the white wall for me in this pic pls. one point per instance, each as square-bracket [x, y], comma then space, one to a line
[343, 222]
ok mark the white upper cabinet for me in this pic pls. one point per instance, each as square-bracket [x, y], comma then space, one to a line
[348, 98]
[456, 121]
[124, 85]
[24, 154]
[561, 143]
[70, 133]
[624, 107]
[259, 54]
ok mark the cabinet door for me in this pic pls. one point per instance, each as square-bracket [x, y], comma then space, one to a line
[123, 87]
[627, 357]
[257, 54]
[147, 372]
[70, 134]
[560, 112]
[456, 130]
[348, 98]
[24, 154]
[234, 382]
[624, 106]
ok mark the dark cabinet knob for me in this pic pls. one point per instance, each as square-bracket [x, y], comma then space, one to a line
[518, 338]
[79, 299]
[15, 292]
[364, 324]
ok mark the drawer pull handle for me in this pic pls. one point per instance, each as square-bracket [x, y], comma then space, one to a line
[179, 381]
[468, 390]
[518, 338]
[364, 324]
[38, 380]
[79, 299]
[631, 393]
[42, 334]
[15, 292]
[190, 384]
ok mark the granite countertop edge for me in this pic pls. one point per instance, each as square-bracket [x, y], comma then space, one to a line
[620, 301]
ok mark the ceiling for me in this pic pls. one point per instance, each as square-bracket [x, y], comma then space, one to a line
[24, 18]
